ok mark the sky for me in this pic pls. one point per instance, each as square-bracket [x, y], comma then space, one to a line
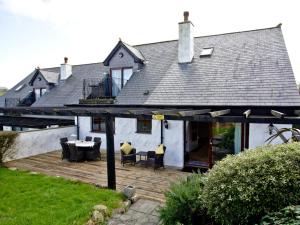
[42, 32]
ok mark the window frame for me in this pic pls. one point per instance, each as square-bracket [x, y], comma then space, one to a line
[143, 131]
[101, 120]
[122, 76]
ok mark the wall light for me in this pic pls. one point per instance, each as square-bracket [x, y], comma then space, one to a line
[166, 124]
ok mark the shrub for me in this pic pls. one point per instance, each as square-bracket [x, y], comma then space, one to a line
[287, 216]
[6, 140]
[184, 203]
[241, 189]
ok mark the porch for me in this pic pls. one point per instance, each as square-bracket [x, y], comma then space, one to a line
[149, 183]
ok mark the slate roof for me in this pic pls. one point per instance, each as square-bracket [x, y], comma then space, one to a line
[246, 68]
[51, 77]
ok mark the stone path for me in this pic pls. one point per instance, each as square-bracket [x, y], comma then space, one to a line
[143, 212]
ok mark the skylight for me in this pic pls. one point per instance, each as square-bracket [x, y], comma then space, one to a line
[19, 87]
[206, 52]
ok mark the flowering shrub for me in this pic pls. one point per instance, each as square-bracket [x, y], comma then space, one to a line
[241, 189]
[287, 216]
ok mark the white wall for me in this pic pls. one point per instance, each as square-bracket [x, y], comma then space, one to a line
[36, 142]
[259, 133]
[125, 130]
[174, 141]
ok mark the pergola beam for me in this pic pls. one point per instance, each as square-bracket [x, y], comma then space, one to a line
[219, 113]
[247, 113]
[277, 114]
[193, 112]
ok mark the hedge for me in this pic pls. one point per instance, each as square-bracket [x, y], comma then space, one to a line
[7, 138]
[241, 189]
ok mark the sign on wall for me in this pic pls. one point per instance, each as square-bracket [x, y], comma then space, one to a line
[158, 117]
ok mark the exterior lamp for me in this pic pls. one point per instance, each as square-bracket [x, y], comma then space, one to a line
[166, 124]
[271, 127]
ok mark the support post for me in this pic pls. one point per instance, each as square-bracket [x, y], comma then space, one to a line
[77, 127]
[110, 146]
[210, 152]
[161, 132]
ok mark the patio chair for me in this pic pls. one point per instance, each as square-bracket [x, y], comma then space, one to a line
[128, 158]
[65, 154]
[156, 160]
[64, 139]
[88, 138]
[97, 139]
[94, 153]
[75, 154]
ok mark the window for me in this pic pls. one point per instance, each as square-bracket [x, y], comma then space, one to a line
[144, 126]
[19, 87]
[98, 125]
[119, 79]
[206, 52]
[39, 92]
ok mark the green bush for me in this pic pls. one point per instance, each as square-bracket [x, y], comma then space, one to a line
[184, 203]
[287, 216]
[7, 138]
[241, 189]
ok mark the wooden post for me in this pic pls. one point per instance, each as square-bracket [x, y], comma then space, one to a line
[110, 146]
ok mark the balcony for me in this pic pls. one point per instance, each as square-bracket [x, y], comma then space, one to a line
[97, 91]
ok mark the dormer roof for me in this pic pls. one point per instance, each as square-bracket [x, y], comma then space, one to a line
[135, 53]
[50, 77]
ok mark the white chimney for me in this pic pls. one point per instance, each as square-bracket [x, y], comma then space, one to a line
[186, 40]
[65, 70]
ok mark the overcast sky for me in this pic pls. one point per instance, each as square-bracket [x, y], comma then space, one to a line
[41, 32]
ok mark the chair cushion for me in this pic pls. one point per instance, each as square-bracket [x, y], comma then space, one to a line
[126, 148]
[160, 150]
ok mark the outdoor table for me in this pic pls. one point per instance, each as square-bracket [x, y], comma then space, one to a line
[144, 154]
[82, 144]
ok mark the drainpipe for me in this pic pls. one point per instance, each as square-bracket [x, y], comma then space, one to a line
[77, 122]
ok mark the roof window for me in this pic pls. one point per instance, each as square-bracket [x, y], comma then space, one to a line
[206, 52]
[19, 87]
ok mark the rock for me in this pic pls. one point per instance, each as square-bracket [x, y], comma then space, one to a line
[127, 204]
[97, 217]
[129, 191]
[12, 168]
[101, 208]
[90, 222]
[135, 198]
[119, 211]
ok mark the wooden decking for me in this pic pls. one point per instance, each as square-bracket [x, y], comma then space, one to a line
[149, 183]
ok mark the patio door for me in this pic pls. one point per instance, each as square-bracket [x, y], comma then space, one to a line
[198, 144]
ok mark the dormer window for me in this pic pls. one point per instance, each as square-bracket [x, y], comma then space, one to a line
[119, 76]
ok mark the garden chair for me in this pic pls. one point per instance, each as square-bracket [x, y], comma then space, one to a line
[97, 139]
[64, 139]
[88, 138]
[94, 153]
[128, 158]
[65, 154]
[156, 160]
[75, 154]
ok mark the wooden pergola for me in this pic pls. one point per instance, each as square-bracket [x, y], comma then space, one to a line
[222, 114]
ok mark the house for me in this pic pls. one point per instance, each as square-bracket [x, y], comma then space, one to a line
[247, 69]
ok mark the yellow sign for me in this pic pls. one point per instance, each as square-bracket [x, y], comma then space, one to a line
[158, 117]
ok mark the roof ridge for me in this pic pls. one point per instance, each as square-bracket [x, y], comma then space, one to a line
[211, 35]
[57, 67]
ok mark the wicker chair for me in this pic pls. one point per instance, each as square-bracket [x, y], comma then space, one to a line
[88, 138]
[129, 158]
[75, 154]
[94, 153]
[65, 154]
[156, 160]
[97, 139]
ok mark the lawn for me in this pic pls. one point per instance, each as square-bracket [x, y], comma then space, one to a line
[30, 199]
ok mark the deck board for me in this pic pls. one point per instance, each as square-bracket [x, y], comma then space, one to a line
[149, 183]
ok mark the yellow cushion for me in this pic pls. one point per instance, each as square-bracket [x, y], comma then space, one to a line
[126, 148]
[160, 150]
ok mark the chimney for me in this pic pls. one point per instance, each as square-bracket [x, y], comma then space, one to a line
[186, 40]
[65, 70]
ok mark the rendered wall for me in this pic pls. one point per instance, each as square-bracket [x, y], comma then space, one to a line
[259, 133]
[36, 142]
[125, 130]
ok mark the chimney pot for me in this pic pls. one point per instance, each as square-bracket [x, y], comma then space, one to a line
[66, 60]
[186, 16]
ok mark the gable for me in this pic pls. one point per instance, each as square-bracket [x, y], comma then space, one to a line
[125, 61]
[39, 81]
[127, 50]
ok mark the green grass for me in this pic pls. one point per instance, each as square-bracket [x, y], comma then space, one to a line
[2, 92]
[27, 199]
